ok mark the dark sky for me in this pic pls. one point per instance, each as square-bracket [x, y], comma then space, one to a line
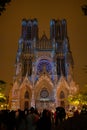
[44, 11]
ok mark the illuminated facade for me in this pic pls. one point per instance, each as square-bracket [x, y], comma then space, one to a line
[44, 67]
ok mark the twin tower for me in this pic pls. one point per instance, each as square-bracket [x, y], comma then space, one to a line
[58, 29]
[57, 45]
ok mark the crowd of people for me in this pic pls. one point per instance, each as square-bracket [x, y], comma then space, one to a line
[46, 120]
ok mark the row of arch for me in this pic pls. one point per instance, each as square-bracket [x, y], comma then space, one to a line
[43, 92]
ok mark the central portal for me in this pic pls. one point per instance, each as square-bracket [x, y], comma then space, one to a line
[44, 93]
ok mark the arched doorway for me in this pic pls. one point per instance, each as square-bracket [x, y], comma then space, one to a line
[62, 97]
[44, 93]
[43, 98]
[26, 98]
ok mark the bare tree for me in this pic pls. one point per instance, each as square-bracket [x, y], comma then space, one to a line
[84, 9]
[3, 4]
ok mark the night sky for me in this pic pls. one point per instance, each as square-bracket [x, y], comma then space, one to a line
[44, 11]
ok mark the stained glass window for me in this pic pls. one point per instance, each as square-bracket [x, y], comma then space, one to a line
[44, 64]
[44, 93]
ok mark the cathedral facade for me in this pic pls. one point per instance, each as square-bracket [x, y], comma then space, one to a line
[43, 69]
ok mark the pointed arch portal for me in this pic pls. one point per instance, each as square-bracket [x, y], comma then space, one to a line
[44, 93]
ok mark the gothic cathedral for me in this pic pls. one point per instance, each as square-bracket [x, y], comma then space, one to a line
[43, 69]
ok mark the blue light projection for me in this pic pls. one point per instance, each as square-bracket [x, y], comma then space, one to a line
[44, 63]
[52, 22]
[24, 23]
[35, 22]
[64, 21]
